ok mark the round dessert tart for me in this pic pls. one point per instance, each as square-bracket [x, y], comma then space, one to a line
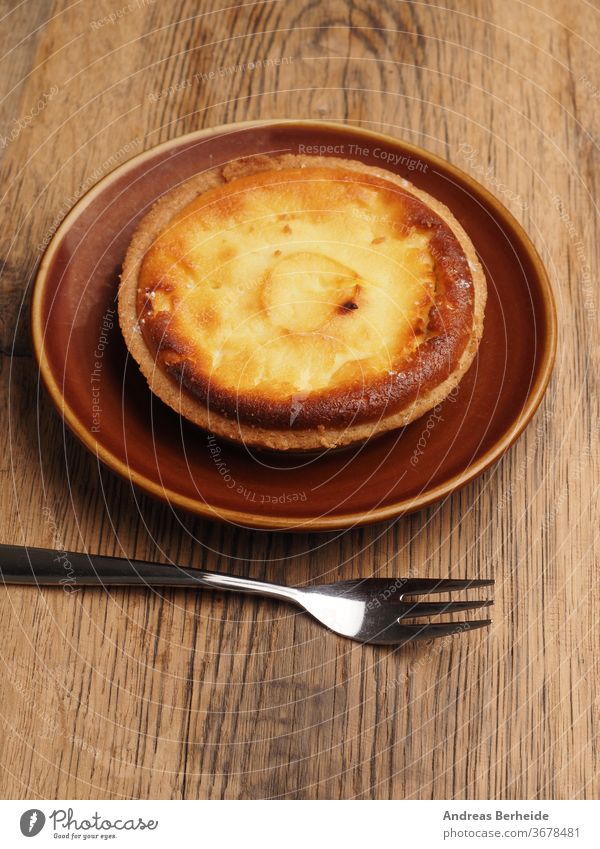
[301, 302]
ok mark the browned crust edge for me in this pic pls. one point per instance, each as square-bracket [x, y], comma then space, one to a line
[318, 422]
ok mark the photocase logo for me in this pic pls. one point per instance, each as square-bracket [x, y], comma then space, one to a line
[32, 822]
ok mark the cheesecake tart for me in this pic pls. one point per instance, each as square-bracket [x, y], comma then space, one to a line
[301, 302]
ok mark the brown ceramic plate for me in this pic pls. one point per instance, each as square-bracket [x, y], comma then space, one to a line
[106, 402]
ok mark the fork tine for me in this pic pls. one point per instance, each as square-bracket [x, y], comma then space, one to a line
[433, 608]
[418, 586]
[398, 633]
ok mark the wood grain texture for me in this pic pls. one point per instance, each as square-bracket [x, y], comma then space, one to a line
[177, 695]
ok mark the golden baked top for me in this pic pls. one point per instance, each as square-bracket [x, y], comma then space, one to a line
[306, 296]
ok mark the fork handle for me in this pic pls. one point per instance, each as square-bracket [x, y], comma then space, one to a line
[69, 569]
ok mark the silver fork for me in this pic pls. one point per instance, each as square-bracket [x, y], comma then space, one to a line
[370, 610]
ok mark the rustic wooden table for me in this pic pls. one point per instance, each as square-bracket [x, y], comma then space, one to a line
[180, 695]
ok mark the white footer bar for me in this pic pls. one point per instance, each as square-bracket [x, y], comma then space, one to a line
[290, 824]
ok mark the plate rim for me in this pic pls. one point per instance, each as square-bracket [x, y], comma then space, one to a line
[270, 521]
